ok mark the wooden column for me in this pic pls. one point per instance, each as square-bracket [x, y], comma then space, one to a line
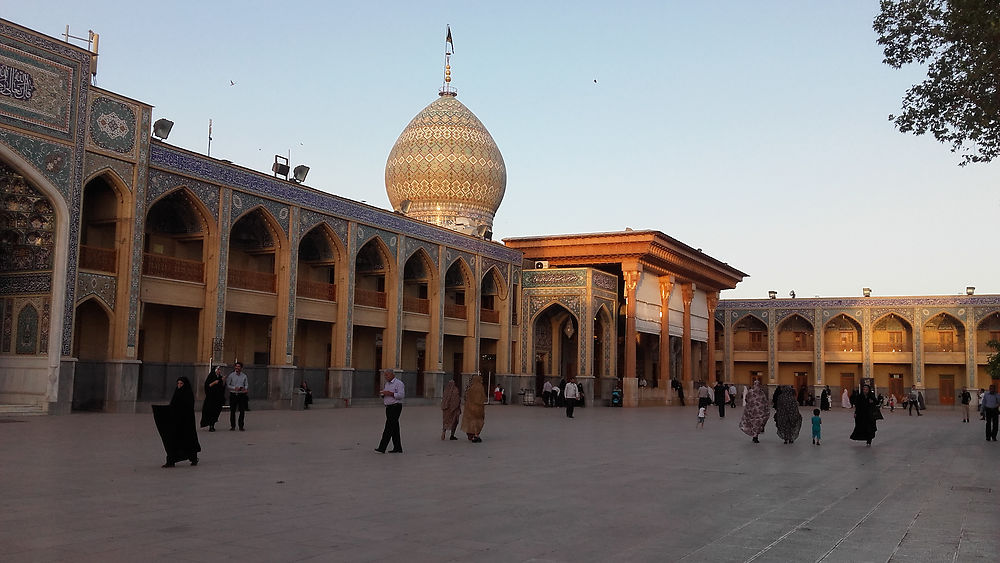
[630, 385]
[712, 299]
[687, 294]
[666, 287]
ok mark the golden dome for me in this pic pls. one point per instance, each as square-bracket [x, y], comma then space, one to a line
[445, 169]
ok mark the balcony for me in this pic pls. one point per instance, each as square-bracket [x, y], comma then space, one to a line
[100, 259]
[369, 298]
[842, 347]
[254, 281]
[892, 347]
[931, 347]
[455, 311]
[416, 305]
[489, 316]
[168, 267]
[750, 346]
[316, 290]
[795, 346]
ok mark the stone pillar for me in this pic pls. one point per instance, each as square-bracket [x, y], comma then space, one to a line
[121, 385]
[687, 294]
[341, 384]
[772, 350]
[918, 351]
[630, 384]
[280, 383]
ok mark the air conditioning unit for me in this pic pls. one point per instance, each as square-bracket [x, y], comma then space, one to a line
[541, 264]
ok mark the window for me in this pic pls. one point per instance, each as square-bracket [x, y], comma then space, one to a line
[946, 339]
[847, 340]
[756, 340]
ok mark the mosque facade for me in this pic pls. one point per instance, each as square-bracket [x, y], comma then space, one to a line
[126, 262]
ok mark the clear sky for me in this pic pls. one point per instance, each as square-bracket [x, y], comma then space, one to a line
[756, 131]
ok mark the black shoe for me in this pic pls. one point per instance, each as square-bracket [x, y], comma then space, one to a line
[194, 462]
[755, 440]
[395, 451]
[211, 429]
[243, 429]
[379, 451]
[171, 464]
[231, 428]
[453, 438]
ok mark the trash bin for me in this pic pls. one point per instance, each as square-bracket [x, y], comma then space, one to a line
[298, 400]
[528, 398]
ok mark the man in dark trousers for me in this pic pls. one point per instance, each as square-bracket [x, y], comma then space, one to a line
[991, 411]
[720, 398]
[239, 395]
[392, 397]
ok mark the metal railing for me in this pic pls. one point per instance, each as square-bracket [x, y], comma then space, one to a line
[939, 347]
[172, 268]
[892, 347]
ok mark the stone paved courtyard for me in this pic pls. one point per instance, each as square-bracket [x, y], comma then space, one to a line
[610, 484]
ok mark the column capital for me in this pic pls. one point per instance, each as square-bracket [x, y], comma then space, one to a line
[631, 279]
[666, 288]
[712, 297]
[687, 293]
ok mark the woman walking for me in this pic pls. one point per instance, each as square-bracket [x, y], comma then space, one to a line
[474, 416]
[756, 413]
[175, 422]
[787, 417]
[451, 408]
[865, 414]
[215, 397]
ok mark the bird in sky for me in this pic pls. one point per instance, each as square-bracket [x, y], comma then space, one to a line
[595, 81]
[231, 83]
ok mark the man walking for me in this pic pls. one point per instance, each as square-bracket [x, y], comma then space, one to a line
[239, 395]
[912, 401]
[392, 397]
[572, 392]
[991, 411]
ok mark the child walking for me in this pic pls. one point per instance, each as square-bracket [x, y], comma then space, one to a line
[817, 421]
[701, 418]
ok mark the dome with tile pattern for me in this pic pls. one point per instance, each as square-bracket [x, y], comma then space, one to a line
[446, 169]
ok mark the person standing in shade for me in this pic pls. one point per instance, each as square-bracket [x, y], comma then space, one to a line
[912, 402]
[991, 412]
[215, 397]
[239, 395]
[392, 397]
[966, 399]
[307, 391]
[547, 393]
[572, 394]
[824, 400]
[451, 408]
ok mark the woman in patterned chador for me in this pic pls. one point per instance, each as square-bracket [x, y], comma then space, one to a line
[787, 417]
[756, 413]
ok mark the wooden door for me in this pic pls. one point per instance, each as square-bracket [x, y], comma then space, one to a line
[946, 389]
[896, 386]
[847, 382]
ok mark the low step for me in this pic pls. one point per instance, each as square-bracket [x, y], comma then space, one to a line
[21, 410]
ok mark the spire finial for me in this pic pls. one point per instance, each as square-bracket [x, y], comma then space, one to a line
[449, 50]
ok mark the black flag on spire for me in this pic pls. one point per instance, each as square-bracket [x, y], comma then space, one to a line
[448, 41]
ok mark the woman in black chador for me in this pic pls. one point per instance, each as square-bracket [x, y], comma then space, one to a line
[175, 422]
[865, 414]
[215, 397]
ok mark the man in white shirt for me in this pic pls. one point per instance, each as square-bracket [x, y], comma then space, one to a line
[547, 393]
[392, 397]
[570, 396]
[239, 395]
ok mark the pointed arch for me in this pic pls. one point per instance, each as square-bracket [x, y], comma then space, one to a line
[279, 237]
[202, 211]
[61, 276]
[794, 317]
[498, 281]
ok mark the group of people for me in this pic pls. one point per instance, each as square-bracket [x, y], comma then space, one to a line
[566, 394]
[175, 421]
[721, 395]
[788, 419]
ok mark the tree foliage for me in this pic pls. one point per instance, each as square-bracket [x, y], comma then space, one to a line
[959, 42]
[993, 360]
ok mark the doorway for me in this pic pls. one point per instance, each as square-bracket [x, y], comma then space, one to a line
[896, 386]
[946, 389]
[847, 382]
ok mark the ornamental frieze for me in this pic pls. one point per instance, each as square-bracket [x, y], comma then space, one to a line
[16, 83]
[96, 163]
[561, 277]
[309, 219]
[112, 125]
[104, 287]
